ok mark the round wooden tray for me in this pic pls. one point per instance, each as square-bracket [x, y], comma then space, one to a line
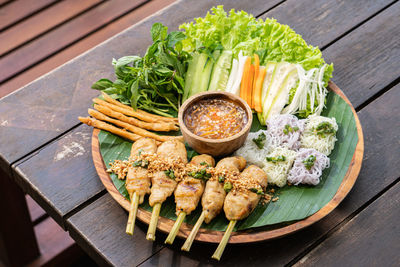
[255, 235]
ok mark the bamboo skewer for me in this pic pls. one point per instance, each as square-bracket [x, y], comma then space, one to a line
[193, 233]
[221, 247]
[132, 213]
[174, 231]
[151, 232]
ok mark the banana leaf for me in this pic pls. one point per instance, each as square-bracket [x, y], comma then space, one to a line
[295, 202]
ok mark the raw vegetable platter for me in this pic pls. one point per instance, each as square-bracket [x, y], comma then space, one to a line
[298, 206]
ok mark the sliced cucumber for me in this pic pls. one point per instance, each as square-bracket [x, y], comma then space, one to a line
[220, 73]
[191, 72]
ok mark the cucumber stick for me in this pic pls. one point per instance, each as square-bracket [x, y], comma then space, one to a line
[198, 75]
[220, 73]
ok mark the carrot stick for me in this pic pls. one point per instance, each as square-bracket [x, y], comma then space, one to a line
[245, 77]
[249, 88]
[256, 72]
[258, 89]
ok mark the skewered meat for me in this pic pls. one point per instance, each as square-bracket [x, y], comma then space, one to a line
[189, 190]
[162, 185]
[239, 204]
[214, 193]
[137, 179]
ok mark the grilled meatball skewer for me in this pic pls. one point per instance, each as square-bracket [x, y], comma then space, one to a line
[163, 182]
[137, 180]
[240, 203]
[214, 195]
[188, 192]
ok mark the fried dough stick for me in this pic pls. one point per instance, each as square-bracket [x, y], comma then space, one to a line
[110, 128]
[214, 196]
[109, 99]
[154, 126]
[188, 193]
[239, 204]
[137, 180]
[134, 129]
[162, 185]
[130, 112]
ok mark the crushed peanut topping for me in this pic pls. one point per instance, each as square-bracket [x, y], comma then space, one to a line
[177, 170]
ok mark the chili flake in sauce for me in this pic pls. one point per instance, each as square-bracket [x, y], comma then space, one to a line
[215, 118]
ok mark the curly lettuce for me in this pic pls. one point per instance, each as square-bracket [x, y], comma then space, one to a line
[239, 31]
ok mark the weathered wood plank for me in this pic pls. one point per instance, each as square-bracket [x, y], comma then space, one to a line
[61, 176]
[17, 10]
[101, 228]
[54, 41]
[49, 106]
[16, 228]
[42, 22]
[367, 59]
[369, 239]
[326, 20]
[83, 45]
[380, 157]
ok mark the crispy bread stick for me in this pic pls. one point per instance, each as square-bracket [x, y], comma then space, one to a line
[154, 126]
[110, 128]
[133, 129]
[109, 99]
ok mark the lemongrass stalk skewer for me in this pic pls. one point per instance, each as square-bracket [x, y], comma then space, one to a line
[193, 233]
[221, 247]
[175, 229]
[132, 213]
[151, 232]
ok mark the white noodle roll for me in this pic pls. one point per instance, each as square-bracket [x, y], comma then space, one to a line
[285, 130]
[278, 171]
[251, 152]
[299, 174]
[324, 143]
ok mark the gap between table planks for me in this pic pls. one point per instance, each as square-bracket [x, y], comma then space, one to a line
[212, 236]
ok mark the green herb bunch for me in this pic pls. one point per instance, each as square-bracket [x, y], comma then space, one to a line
[155, 81]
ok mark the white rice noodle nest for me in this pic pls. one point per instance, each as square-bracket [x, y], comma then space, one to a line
[299, 174]
[250, 150]
[277, 172]
[310, 139]
[276, 126]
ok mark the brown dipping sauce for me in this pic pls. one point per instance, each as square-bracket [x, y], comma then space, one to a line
[215, 118]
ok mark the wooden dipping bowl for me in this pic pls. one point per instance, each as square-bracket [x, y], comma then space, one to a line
[215, 147]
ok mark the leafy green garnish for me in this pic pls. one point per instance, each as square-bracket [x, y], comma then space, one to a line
[170, 173]
[324, 128]
[309, 162]
[202, 174]
[260, 140]
[228, 187]
[155, 81]
[276, 159]
[257, 191]
[221, 178]
[141, 163]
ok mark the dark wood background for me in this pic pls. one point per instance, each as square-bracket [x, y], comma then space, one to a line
[38, 125]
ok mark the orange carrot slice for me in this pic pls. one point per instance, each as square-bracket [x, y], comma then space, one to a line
[245, 77]
[258, 89]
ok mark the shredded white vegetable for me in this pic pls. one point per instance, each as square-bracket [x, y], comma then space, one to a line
[299, 174]
[232, 76]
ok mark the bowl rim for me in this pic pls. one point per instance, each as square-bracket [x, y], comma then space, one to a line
[221, 94]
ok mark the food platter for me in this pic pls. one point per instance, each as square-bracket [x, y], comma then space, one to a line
[251, 235]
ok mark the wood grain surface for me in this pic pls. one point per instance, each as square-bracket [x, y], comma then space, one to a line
[369, 239]
[212, 236]
[61, 176]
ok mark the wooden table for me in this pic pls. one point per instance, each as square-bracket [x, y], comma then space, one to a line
[45, 151]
